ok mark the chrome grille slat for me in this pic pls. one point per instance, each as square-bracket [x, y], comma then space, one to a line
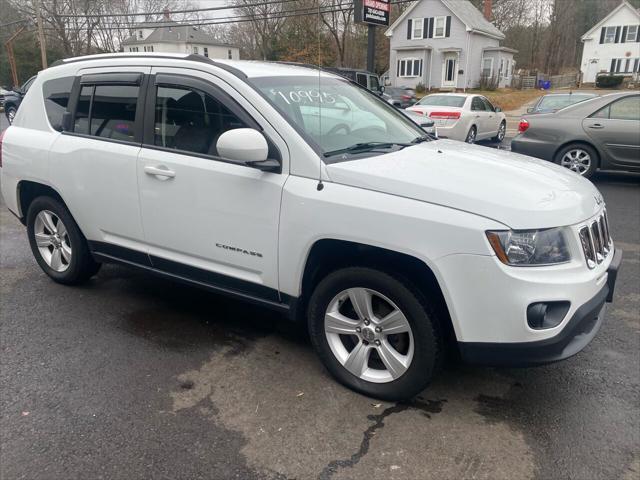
[595, 239]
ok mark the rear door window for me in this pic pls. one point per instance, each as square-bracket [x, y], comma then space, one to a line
[108, 110]
[477, 105]
[361, 79]
[56, 93]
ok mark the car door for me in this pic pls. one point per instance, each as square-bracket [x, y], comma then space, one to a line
[206, 218]
[93, 163]
[615, 129]
[480, 115]
[493, 119]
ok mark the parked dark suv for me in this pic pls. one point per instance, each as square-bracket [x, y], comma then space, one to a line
[13, 98]
[361, 77]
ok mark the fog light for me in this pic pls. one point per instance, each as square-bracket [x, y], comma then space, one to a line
[542, 315]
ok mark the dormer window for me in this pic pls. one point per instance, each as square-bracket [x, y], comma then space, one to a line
[140, 35]
[632, 33]
[417, 24]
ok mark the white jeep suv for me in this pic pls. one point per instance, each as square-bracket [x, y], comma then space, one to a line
[305, 193]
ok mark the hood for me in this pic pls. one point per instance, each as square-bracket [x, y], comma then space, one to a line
[519, 191]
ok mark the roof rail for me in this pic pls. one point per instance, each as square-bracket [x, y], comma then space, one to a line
[191, 57]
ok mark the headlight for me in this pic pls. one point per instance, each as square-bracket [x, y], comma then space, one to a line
[530, 247]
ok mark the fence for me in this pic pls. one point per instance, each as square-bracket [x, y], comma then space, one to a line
[525, 82]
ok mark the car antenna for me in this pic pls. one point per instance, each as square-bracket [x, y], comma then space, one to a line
[320, 184]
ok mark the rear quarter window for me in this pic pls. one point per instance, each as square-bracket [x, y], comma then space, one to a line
[56, 93]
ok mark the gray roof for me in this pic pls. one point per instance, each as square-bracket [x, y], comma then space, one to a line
[472, 17]
[169, 31]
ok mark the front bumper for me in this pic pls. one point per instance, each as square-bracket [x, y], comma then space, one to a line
[577, 334]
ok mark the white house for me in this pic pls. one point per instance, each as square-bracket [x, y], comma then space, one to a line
[449, 45]
[173, 37]
[613, 44]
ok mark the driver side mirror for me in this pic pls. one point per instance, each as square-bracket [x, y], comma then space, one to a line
[530, 110]
[247, 146]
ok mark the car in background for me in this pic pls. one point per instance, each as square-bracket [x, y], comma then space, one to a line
[3, 92]
[601, 133]
[401, 97]
[557, 101]
[464, 117]
[363, 78]
[13, 99]
[427, 124]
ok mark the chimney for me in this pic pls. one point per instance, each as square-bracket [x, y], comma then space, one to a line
[488, 7]
[166, 14]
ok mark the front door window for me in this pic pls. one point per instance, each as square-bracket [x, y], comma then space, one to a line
[449, 71]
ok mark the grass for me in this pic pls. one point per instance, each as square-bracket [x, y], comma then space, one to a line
[506, 98]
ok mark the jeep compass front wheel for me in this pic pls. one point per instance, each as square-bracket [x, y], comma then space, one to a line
[374, 333]
[57, 243]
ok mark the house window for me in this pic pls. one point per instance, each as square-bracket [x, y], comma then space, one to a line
[409, 67]
[610, 35]
[506, 70]
[195, 50]
[229, 54]
[487, 67]
[133, 49]
[149, 48]
[417, 24]
[439, 30]
[206, 52]
[501, 71]
[632, 33]
[140, 35]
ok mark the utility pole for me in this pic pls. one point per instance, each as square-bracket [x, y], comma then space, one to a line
[11, 56]
[43, 44]
[371, 47]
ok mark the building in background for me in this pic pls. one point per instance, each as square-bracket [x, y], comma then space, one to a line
[612, 45]
[448, 45]
[172, 37]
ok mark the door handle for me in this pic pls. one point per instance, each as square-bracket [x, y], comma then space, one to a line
[161, 171]
[596, 126]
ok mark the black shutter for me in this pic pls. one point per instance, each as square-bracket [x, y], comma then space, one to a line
[613, 66]
[602, 31]
[398, 69]
[638, 34]
[617, 40]
[409, 26]
[430, 27]
[635, 66]
[448, 29]
[624, 34]
[425, 27]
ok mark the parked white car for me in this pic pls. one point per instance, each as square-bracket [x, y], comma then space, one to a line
[247, 179]
[464, 117]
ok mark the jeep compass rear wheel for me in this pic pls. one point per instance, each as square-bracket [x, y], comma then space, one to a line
[57, 243]
[373, 333]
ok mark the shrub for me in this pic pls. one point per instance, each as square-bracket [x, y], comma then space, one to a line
[488, 83]
[420, 88]
[609, 81]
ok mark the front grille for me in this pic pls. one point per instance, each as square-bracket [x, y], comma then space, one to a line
[596, 240]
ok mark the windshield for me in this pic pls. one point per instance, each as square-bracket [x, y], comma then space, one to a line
[558, 102]
[339, 115]
[443, 100]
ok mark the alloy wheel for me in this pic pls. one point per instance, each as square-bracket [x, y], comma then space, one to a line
[52, 240]
[369, 335]
[577, 160]
[501, 132]
[11, 114]
[471, 136]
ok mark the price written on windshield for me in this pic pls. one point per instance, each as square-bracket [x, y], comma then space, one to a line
[304, 96]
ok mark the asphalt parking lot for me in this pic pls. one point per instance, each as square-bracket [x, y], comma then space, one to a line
[131, 376]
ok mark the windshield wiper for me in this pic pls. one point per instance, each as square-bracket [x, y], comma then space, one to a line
[421, 139]
[366, 146]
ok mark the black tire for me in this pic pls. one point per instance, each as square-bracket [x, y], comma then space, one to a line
[497, 137]
[595, 158]
[472, 135]
[420, 316]
[10, 113]
[82, 266]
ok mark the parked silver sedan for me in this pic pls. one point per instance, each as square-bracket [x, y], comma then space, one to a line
[465, 117]
[601, 133]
